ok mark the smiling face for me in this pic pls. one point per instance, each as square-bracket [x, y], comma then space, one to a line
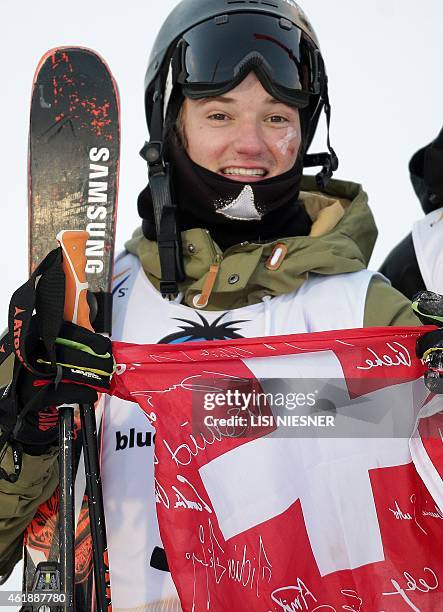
[244, 135]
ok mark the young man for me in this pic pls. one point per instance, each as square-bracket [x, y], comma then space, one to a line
[235, 242]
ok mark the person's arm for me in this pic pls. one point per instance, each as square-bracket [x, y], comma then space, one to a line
[402, 269]
[386, 306]
[38, 478]
[6, 367]
[19, 502]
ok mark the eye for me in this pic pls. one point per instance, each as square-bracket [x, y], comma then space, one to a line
[276, 119]
[218, 117]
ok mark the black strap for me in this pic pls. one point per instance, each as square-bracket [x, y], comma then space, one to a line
[333, 157]
[165, 210]
[8, 406]
[102, 321]
[44, 292]
[17, 458]
[329, 161]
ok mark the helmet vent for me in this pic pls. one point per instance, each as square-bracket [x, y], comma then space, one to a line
[221, 20]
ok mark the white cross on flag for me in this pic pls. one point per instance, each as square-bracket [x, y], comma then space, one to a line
[330, 498]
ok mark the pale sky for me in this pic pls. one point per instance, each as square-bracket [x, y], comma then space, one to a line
[385, 64]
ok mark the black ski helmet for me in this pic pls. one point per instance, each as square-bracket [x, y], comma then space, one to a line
[206, 47]
[212, 44]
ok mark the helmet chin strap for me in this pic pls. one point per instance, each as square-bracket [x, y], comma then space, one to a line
[165, 210]
[329, 161]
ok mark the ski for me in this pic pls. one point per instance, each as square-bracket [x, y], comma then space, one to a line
[74, 143]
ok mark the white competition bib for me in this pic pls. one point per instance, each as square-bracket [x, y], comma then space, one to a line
[142, 316]
[427, 235]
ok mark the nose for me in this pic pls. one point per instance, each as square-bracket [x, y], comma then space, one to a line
[249, 140]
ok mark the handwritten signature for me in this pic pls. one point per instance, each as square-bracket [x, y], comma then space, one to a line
[438, 514]
[182, 501]
[191, 384]
[217, 353]
[249, 569]
[413, 585]
[300, 597]
[187, 384]
[185, 452]
[399, 357]
[296, 597]
[400, 515]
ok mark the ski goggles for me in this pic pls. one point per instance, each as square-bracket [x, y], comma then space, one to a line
[216, 55]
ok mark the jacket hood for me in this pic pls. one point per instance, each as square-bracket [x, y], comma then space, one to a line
[342, 238]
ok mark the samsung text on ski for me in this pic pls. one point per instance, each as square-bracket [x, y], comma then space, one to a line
[97, 210]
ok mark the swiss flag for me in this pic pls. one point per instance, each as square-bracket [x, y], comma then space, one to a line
[274, 518]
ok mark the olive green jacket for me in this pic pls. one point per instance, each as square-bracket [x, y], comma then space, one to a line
[342, 238]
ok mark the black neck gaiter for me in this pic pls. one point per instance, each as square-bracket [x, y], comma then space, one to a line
[233, 212]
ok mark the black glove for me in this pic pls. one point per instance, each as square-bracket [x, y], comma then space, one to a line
[55, 363]
[428, 307]
[83, 368]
